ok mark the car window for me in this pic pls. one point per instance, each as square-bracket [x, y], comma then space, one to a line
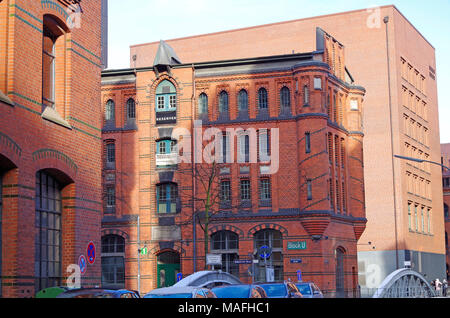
[275, 290]
[304, 289]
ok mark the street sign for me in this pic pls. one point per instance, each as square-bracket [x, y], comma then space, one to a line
[91, 253]
[299, 275]
[82, 263]
[144, 251]
[296, 260]
[243, 261]
[179, 276]
[296, 245]
[213, 259]
[265, 251]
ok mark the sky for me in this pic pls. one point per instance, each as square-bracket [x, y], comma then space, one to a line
[141, 21]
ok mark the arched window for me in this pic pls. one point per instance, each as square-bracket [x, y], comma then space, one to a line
[203, 104]
[53, 59]
[110, 111]
[262, 98]
[226, 243]
[166, 97]
[48, 224]
[274, 240]
[285, 98]
[131, 110]
[113, 261]
[223, 102]
[243, 100]
[166, 197]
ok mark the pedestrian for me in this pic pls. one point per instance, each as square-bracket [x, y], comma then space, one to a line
[444, 287]
[433, 285]
[438, 285]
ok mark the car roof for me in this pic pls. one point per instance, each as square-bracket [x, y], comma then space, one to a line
[202, 278]
[174, 290]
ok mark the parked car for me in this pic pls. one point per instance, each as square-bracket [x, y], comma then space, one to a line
[239, 291]
[309, 290]
[181, 292]
[98, 293]
[281, 290]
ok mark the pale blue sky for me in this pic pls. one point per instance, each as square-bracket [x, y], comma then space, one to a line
[141, 21]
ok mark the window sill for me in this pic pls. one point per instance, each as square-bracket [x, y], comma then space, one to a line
[52, 115]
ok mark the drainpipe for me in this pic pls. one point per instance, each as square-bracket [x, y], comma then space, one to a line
[194, 183]
[386, 21]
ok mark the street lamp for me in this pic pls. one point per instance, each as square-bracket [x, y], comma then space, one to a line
[421, 161]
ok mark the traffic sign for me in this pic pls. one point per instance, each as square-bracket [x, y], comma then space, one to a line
[82, 263]
[265, 251]
[179, 276]
[91, 253]
[299, 275]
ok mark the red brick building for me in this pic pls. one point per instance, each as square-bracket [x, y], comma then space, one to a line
[302, 107]
[50, 142]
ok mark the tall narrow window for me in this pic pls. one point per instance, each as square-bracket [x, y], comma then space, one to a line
[338, 198]
[264, 145]
[342, 152]
[416, 220]
[167, 194]
[48, 232]
[225, 191]
[223, 102]
[265, 189]
[53, 60]
[344, 200]
[203, 104]
[309, 189]
[113, 262]
[331, 194]
[262, 98]
[243, 100]
[110, 199]
[330, 148]
[307, 142]
[305, 95]
[244, 148]
[226, 155]
[110, 153]
[285, 98]
[409, 216]
[336, 150]
[110, 111]
[131, 110]
[245, 190]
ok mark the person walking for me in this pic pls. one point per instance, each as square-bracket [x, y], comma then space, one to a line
[438, 285]
[444, 287]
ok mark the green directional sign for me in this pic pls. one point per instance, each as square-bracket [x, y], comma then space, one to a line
[144, 251]
[296, 245]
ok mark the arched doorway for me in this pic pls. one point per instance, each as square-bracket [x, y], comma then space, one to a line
[340, 278]
[168, 266]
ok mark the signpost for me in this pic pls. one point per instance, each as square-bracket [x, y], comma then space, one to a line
[213, 260]
[82, 263]
[91, 253]
[299, 275]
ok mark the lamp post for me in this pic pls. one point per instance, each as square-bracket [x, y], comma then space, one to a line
[421, 161]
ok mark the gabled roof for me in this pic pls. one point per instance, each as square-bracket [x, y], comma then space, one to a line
[165, 55]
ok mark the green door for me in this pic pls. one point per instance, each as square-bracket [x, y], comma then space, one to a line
[167, 268]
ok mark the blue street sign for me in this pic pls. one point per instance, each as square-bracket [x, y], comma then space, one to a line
[296, 260]
[243, 261]
[82, 264]
[179, 276]
[265, 252]
[91, 253]
[299, 275]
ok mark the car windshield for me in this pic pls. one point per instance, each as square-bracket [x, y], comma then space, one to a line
[304, 289]
[231, 292]
[275, 290]
[186, 295]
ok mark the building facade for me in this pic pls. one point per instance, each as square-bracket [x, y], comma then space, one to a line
[397, 66]
[288, 179]
[50, 143]
[445, 148]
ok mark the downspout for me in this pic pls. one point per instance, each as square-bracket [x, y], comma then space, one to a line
[386, 21]
[194, 183]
